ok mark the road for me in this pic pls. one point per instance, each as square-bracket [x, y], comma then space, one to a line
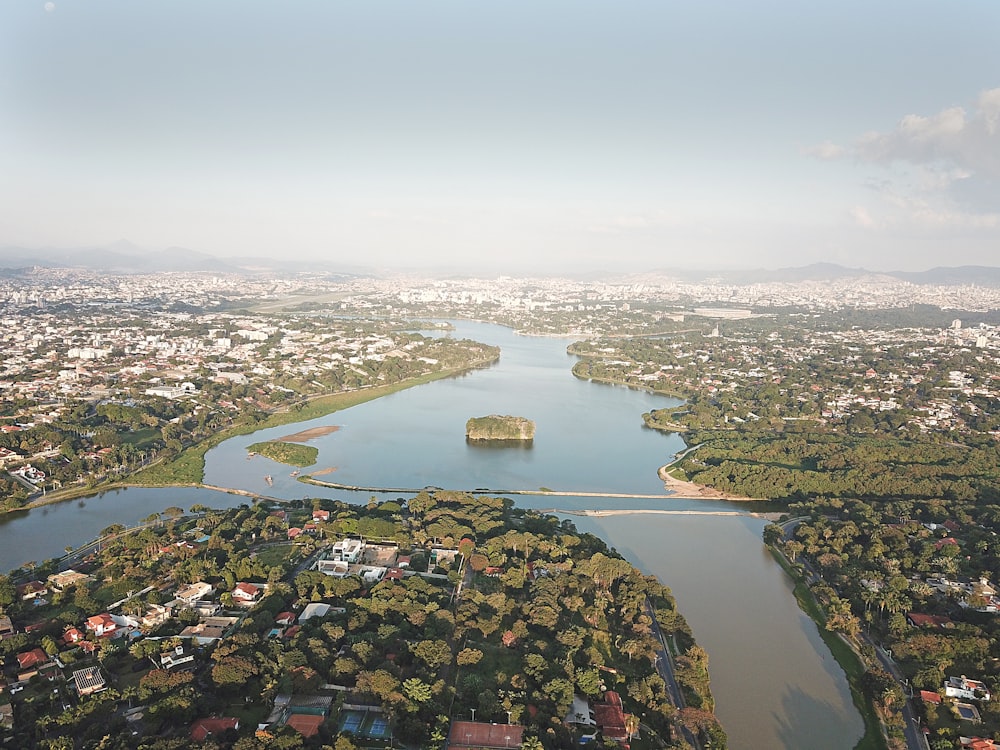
[665, 668]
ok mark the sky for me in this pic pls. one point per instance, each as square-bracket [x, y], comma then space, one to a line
[516, 136]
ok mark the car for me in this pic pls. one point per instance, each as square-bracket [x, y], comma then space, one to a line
[17, 688]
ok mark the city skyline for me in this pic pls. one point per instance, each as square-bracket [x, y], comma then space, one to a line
[514, 137]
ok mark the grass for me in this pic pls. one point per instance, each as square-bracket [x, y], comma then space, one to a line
[274, 555]
[292, 454]
[846, 657]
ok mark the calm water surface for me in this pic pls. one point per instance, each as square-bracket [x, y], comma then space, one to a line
[775, 683]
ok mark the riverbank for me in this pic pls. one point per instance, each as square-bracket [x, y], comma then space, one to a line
[187, 469]
[691, 491]
[844, 653]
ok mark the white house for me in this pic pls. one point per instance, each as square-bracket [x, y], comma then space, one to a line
[194, 591]
[963, 687]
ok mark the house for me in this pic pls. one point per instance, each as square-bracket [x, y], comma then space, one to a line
[175, 658]
[321, 515]
[155, 615]
[919, 620]
[203, 728]
[102, 625]
[610, 717]
[314, 609]
[246, 593]
[60, 581]
[928, 697]
[335, 568]
[72, 635]
[6, 716]
[32, 590]
[89, 681]
[193, 592]
[977, 743]
[284, 618]
[294, 531]
[6, 627]
[963, 687]
[347, 550]
[581, 716]
[480, 734]
[32, 659]
[394, 574]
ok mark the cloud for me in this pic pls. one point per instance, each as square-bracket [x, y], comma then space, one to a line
[49, 7]
[862, 217]
[935, 170]
[953, 136]
[827, 151]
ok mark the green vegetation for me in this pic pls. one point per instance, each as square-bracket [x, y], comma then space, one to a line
[497, 427]
[293, 454]
[543, 614]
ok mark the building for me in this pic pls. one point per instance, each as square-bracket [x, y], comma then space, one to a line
[963, 687]
[203, 728]
[246, 593]
[89, 681]
[69, 577]
[193, 592]
[610, 717]
[102, 625]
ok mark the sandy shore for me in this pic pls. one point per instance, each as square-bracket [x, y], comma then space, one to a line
[307, 435]
[696, 491]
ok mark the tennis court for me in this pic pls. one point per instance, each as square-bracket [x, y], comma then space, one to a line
[350, 721]
[372, 725]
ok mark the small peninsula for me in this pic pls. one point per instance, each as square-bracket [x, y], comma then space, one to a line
[497, 427]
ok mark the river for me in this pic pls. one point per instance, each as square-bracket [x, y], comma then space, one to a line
[775, 683]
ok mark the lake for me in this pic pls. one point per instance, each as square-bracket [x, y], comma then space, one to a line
[775, 683]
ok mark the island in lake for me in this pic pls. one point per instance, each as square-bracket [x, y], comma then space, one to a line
[497, 427]
[292, 454]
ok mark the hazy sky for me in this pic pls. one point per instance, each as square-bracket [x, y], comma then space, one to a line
[541, 134]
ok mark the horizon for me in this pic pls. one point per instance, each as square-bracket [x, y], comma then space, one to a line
[516, 137]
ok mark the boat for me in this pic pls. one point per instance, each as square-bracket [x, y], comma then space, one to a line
[268, 479]
[294, 473]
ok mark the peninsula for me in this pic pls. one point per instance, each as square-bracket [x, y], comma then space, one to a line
[497, 427]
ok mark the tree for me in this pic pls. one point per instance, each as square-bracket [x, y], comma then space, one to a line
[433, 653]
[417, 690]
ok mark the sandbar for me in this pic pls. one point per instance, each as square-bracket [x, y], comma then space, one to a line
[307, 435]
[321, 472]
[693, 491]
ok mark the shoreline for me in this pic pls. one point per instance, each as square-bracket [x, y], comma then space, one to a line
[692, 491]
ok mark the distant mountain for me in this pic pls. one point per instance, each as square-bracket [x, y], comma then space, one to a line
[127, 258]
[981, 275]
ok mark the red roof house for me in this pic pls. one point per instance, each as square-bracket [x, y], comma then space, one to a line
[202, 728]
[246, 592]
[33, 658]
[102, 625]
[610, 716]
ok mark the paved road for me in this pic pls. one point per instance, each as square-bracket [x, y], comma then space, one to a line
[665, 668]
